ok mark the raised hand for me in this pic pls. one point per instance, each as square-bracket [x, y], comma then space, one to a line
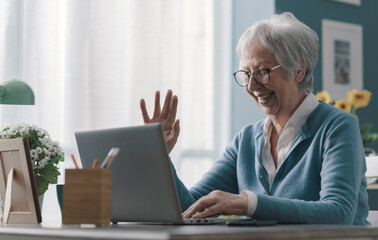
[165, 116]
[218, 203]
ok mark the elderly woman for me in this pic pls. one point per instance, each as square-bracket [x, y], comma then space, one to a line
[304, 163]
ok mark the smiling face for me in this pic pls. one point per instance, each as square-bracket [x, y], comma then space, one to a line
[280, 97]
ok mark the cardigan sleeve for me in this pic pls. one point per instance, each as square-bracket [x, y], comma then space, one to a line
[221, 176]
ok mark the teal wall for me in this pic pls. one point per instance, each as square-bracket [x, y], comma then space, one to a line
[312, 12]
[244, 13]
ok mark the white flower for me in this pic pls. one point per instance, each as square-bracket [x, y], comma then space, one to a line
[12, 131]
[47, 153]
[43, 162]
[39, 150]
[34, 154]
[45, 145]
[43, 151]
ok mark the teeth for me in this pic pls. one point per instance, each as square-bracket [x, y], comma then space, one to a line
[265, 96]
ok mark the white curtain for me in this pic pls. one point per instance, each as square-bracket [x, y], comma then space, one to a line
[90, 61]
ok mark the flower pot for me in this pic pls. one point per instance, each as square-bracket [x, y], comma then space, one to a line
[40, 200]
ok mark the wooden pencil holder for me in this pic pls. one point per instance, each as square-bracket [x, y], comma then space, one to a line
[87, 196]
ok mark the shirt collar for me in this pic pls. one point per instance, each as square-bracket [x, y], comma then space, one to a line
[304, 110]
[300, 115]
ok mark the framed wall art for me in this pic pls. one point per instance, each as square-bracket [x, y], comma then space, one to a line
[341, 57]
[352, 2]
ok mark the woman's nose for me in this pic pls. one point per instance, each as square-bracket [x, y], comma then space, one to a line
[253, 85]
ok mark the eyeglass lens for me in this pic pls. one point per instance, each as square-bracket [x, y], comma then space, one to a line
[260, 75]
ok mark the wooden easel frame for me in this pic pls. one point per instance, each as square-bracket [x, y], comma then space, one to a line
[17, 184]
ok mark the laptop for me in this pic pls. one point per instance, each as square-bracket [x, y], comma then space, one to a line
[143, 187]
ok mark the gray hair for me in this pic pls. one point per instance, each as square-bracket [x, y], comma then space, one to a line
[293, 44]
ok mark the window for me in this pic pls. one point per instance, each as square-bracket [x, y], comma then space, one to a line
[90, 62]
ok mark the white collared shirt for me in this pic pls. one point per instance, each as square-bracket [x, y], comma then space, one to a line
[285, 141]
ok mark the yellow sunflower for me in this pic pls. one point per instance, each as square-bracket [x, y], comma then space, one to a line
[324, 96]
[343, 105]
[359, 99]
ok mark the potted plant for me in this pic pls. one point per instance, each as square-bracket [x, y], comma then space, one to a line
[45, 153]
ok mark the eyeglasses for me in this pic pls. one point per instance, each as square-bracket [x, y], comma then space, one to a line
[261, 75]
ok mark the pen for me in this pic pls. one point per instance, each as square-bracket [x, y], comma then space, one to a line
[113, 156]
[103, 164]
[95, 163]
[74, 161]
[109, 158]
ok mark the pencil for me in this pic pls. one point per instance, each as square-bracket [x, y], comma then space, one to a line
[74, 160]
[95, 163]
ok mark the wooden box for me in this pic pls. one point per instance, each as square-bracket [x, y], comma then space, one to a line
[87, 196]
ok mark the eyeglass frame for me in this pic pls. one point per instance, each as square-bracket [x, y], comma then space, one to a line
[250, 74]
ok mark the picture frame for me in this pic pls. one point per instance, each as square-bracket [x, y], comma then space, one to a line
[352, 2]
[17, 184]
[341, 57]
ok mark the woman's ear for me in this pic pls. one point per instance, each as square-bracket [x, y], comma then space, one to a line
[299, 75]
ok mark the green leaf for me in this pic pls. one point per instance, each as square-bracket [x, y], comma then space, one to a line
[365, 129]
[367, 137]
[42, 185]
[52, 176]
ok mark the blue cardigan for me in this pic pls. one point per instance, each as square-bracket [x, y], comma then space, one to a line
[322, 180]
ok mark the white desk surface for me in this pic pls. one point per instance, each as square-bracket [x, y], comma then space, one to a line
[139, 231]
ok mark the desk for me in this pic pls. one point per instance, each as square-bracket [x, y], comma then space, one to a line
[137, 231]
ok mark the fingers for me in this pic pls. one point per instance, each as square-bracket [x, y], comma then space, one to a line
[189, 212]
[175, 131]
[202, 211]
[157, 104]
[218, 203]
[167, 104]
[200, 208]
[173, 109]
[176, 128]
[167, 115]
[143, 109]
[208, 212]
[173, 136]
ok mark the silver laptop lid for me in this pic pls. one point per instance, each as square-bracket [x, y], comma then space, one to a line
[143, 188]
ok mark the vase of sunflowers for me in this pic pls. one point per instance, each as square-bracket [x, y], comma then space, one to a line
[355, 100]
